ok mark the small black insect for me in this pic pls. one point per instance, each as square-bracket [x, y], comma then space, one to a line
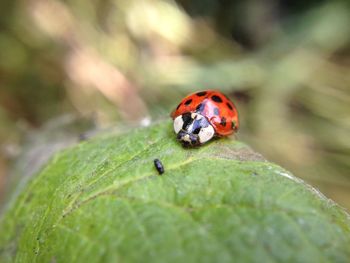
[159, 166]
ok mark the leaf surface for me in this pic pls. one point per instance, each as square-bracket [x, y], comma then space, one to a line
[103, 201]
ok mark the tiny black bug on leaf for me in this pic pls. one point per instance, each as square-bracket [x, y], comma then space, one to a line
[159, 166]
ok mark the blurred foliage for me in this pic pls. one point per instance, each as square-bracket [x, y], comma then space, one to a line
[286, 64]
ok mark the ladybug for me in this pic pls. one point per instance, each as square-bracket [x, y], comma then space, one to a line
[201, 116]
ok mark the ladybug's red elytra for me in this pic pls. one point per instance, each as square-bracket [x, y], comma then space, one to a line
[202, 115]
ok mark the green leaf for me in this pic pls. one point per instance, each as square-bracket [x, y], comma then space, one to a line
[103, 201]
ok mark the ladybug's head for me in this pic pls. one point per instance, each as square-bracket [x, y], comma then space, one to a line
[193, 129]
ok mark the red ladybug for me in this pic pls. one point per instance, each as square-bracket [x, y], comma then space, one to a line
[201, 116]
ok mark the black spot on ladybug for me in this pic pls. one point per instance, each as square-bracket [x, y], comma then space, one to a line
[197, 130]
[187, 119]
[188, 102]
[223, 121]
[229, 105]
[159, 166]
[216, 111]
[178, 106]
[200, 107]
[201, 93]
[216, 98]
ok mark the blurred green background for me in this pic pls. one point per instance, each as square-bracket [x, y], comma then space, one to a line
[116, 63]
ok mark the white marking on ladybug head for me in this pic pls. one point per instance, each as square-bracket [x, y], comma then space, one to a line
[193, 129]
[178, 123]
[186, 138]
[205, 134]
